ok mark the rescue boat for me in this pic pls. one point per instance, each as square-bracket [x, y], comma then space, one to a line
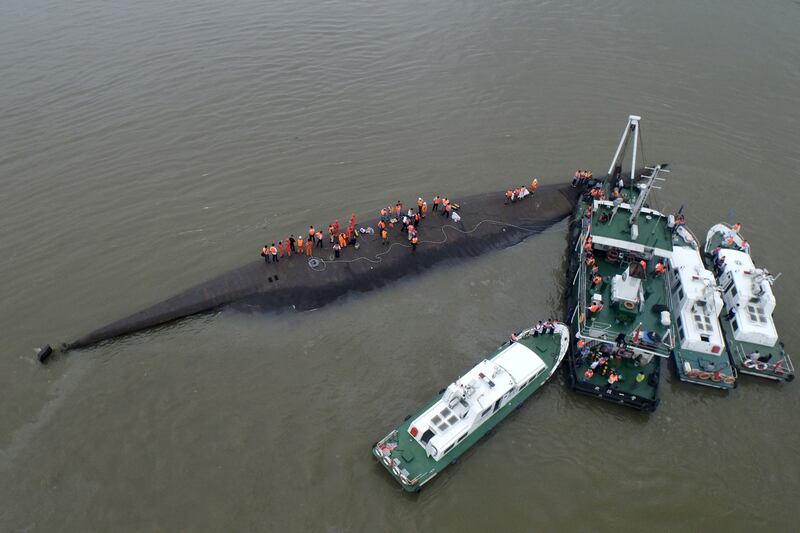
[748, 304]
[699, 355]
[464, 411]
[619, 309]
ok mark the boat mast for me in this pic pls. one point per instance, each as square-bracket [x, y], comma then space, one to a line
[631, 130]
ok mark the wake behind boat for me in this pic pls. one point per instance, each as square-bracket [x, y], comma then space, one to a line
[463, 412]
[748, 304]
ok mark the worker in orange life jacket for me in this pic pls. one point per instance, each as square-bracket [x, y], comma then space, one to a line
[287, 248]
[436, 201]
[280, 248]
[424, 210]
[319, 240]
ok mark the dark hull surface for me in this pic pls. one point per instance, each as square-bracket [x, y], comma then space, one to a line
[297, 283]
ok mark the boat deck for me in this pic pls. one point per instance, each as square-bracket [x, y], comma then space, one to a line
[704, 368]
[414, 462]
[739, 350]
[612, 319]
[653, 231]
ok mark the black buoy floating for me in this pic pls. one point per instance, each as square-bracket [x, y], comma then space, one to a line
[44, 353]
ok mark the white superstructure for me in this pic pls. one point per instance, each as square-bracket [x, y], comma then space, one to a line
[474, 397]
[748, 290]
[696, 302]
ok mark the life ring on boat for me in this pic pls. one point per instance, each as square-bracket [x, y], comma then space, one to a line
[716, 377]
[377, 451]
[628, 305]
[762, 366]
[704, 375]
[693, 373]
[396, 471]
[729, 380]
[387, 460]
[749, 363]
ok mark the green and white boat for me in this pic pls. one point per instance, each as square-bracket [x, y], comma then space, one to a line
[748, 304]
[699, 354]
[619, 311]
[463, 412]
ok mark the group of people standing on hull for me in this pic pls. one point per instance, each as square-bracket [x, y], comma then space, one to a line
[390, 216]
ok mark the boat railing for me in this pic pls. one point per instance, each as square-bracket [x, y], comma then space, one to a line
[786, 367]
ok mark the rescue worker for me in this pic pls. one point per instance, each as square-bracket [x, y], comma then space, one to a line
[384, 236]
[588, 374]
[352, 220]
[274, 253]
[436, 203]
[309, 246]
[319, 240]
[336, 226]
[419, 203]
[287, 248]
[381, 225]
[448, 209]
[311, 233]
[424, 209]
[597, 281]
[299, 245]
[660, 269]
[414, 242]
[613, 377]
[595, 308]
[416, 219]
[280, 249]
[342, 241]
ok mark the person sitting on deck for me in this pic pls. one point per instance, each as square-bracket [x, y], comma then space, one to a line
[640, 377]
[613, 378]
[765, 358]
[595, 308]
[538, 329]
[597, 281]
[509, 198]
[754, 356]
[589, 374]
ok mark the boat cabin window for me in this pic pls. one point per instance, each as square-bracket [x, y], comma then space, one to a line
[426, 436]
[448, 449]
[444, 419]
[733, 291]
[486, 411]
[735, 325]
[462, 437]
[756, 314]
[497, 403]
[702, 321]
[680, 294]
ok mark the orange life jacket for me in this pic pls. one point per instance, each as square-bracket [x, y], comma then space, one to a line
[436, 201]
[384, 235]
[311, 232]
[273, 250]
[414, 240]
[299, 243]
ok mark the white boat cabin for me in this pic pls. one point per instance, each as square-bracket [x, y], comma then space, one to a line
[748, 290]
[696, 302]
[473, 398]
